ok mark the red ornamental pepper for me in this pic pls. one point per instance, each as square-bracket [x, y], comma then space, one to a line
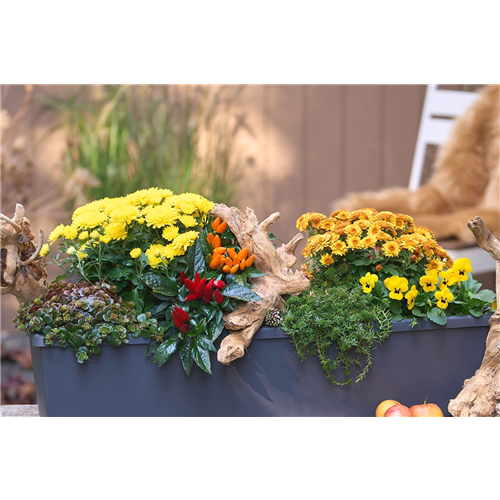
[219, 284]
[183, 278]
[197, 279]
[190, 297]
[200, 288]
[183, 315]
[177, 321]
[219, 298]
[190, 285]
[208, 295]
[184, 328]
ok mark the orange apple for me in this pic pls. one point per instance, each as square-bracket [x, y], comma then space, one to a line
[398, 411]
[427, 417]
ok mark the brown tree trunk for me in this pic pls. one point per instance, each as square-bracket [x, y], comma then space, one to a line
[279, 279]
[480, 396]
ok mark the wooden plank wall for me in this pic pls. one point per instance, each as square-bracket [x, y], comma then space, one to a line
[310, 144]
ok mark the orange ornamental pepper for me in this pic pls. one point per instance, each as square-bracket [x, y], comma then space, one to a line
[216, 243]
[222, 227]
[242, 265]
[226, 269]
[210, 237]
[236, 261]
[242, 255]
[232, 253]
[219, 250]
[249, 261]
[215, 262]
[216, 223]
[228, 262]
[235, 268]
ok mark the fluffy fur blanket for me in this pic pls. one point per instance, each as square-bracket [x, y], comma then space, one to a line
[464, 182]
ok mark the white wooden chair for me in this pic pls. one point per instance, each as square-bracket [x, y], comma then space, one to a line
[440, 108]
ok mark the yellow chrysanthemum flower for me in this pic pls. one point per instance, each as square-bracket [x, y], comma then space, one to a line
[354, 242]
[429, 281]
[369, 241]
[125, 214]
[411, 296]
[434, 265]
[44, 250]
[71, 251]
[116, 231]
[318, 242]
[353, 230]
[170, 232]
[83, 235]
[327, 259]
[444, 297]
[184, 241]
[56, 233]
[462, 267]
[188, 220]
[338, 247]
[70, 232]
[161, 216]
[327, 224]
[391, 249]
[397, 287]
[135, 253]
[340, 215]
[368, 281]
[155, 253]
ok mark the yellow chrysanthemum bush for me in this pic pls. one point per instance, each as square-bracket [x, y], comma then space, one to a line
[166, 257]
[395, 261]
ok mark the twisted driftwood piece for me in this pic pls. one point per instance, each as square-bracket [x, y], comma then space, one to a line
[279, 279]
[23, 272]
[480, 396]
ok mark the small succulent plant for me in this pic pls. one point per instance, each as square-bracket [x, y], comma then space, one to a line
[84, 316]
[272, 317]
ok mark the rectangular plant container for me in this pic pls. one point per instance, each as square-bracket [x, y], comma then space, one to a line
[270, 380]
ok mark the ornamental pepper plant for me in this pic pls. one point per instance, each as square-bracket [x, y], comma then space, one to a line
[175, 267]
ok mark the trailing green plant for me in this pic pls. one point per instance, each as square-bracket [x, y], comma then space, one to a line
[132, 137]
[335, 321]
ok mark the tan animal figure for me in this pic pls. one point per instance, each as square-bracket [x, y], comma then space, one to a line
[464, 182]
[23, 272]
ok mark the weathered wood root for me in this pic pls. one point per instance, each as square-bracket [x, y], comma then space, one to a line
[23, 272]
[279, 279]
[480, 396]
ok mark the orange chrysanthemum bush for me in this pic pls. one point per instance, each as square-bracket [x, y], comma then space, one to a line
[394, 260]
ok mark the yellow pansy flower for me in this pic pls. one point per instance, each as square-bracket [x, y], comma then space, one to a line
[429, 281]
[448, 278]
[462, 267]
[410, 297]
[397, 287]
[368, 281]
[443, 297]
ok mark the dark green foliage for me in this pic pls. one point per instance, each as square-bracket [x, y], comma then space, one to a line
[339, 323]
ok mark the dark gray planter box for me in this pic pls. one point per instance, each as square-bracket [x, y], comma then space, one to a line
[270, 380]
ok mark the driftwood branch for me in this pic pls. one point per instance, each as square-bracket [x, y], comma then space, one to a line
[279, 279]
[23, 272]
[480, 396]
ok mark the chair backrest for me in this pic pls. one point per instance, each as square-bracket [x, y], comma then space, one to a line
[440, 109]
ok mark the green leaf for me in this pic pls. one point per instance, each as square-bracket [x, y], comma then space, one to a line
[418, 313]
[185, 355]
[235, 291]
[437, 316]
[142, 318]
[205, 343]
[152, 347]
[251, 272]
[164, 351]
[477, 313]
[396, 307]
[162, 284]
[60, 278]
[487, 296]
[201, 357]
[196, 258]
